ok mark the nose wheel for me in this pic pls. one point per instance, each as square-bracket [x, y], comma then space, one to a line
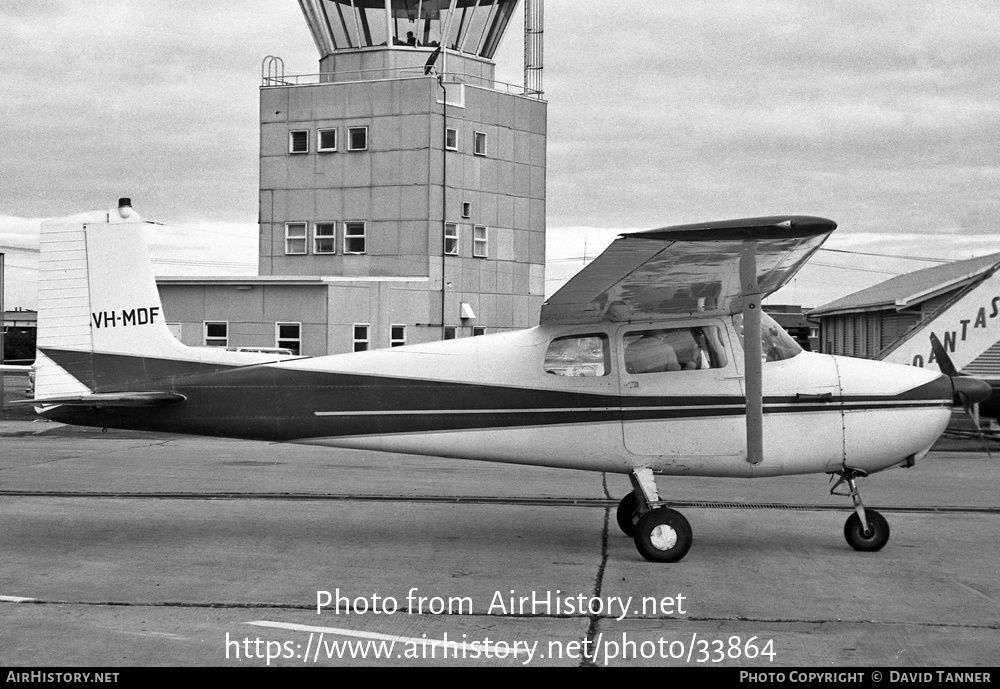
[865, 530]
[660, 533]
[870, 539]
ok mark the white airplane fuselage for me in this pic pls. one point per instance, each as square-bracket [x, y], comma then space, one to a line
[496, 398]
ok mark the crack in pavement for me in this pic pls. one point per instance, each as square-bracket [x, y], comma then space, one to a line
[594, 618]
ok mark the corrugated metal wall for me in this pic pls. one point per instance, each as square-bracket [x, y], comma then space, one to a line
[865, 334]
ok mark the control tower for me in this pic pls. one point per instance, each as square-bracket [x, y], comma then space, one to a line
[403, 175]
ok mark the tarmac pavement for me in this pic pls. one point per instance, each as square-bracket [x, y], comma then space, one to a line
[141, 549]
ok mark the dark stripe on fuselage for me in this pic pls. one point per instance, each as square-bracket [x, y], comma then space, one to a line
[274, 403]
[119, 373]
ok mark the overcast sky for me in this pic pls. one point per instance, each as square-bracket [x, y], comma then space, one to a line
[881, 116]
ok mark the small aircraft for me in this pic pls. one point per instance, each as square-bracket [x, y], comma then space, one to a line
[655, 359]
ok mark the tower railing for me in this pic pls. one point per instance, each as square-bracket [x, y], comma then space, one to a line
[272, 68]
[273, 78]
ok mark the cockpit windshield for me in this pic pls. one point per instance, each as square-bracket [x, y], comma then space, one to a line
[775, 343]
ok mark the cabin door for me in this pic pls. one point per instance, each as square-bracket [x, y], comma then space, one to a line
[680, 392]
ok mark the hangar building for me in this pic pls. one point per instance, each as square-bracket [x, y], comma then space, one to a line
[402, 189]
[866, 322]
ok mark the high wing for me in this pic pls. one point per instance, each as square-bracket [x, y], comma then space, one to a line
[686, 269]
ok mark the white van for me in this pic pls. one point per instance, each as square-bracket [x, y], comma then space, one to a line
[282, 351]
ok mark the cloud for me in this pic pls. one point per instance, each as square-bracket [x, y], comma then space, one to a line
[19, 244]
[830, 275]
[200, 249]
[19, 232]
[881, 116]
[710, 109]
[659, 112]
[155, 100]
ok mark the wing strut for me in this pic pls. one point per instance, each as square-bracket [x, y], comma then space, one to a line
[751, 352]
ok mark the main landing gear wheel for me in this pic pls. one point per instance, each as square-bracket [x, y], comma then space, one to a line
[628, 514]
[663, 535]
[877, 536]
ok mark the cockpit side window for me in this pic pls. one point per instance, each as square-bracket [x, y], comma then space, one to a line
[579, 355]
[674, 349]
[775, 343]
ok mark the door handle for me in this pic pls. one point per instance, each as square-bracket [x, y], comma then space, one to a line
[814, 397]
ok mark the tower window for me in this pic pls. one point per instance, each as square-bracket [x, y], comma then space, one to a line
[355, 235]
[325, 238]
[451, 239]
[288, 336]
[216, 334]
[480, 241]
[449, 332]
[298, 141]
[451, 139]
[478, 330]
[360, 337]
[480, 148]
[397, 335]
[327, 140]
[295, 238]
[466, 209]
[357, 138]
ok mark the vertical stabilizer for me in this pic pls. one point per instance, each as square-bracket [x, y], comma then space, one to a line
[96, 294]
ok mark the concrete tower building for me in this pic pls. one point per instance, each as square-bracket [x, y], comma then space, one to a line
[402, 189]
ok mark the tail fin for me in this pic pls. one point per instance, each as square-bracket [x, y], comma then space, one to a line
[96, 294]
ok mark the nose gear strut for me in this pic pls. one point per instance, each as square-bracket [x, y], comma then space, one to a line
[865, 530]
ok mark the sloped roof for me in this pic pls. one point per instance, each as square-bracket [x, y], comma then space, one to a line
[912, 288]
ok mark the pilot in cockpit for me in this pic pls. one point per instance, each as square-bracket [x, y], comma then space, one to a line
[658, 351]
[651, 353]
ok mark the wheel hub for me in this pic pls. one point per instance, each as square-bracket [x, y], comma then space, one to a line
[663, 537]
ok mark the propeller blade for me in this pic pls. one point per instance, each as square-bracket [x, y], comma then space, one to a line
[941, 356]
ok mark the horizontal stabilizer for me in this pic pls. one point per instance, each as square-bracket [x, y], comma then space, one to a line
[110, 399]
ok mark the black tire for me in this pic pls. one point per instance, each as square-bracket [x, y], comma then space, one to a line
[663, 535]
[854, 532]
[628, 514]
